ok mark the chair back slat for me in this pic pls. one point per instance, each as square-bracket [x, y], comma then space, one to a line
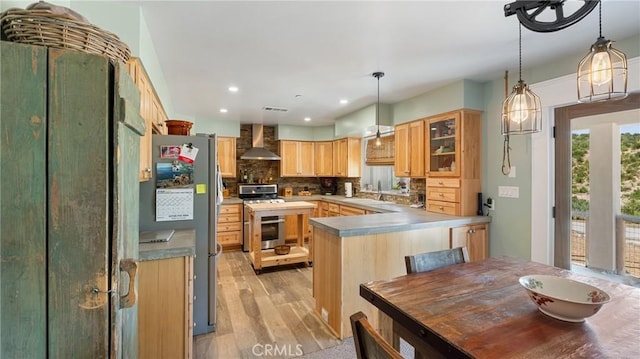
[429, 261]
[369, 344]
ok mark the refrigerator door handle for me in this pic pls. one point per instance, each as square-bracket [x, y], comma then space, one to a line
[218, 251]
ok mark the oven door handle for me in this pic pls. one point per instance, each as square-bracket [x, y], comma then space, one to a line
[272, 222]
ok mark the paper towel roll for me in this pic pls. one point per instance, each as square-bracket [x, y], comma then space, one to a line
[348, 189]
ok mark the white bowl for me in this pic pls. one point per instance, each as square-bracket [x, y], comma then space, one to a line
[563, 298]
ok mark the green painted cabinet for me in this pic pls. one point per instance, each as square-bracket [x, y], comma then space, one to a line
[69, 147]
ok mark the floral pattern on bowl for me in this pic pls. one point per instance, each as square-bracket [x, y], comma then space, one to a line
[563, 298]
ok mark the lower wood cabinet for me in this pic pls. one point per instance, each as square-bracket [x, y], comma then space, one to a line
[474, 237]
[351, 211]
[230, 226]
[165, 308]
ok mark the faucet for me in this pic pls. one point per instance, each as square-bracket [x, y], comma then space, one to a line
[379, 196]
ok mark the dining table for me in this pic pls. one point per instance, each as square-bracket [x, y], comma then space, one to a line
[480, 310]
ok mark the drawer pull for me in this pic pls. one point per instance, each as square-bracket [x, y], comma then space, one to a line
[441, 194]
[441, 208]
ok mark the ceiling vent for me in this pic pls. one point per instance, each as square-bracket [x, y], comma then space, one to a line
[275, 109]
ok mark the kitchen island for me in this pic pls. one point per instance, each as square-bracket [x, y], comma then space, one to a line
[352, 250]
[266, 258]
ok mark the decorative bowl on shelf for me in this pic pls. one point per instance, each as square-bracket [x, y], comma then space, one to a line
[282, 249]
[563, 298]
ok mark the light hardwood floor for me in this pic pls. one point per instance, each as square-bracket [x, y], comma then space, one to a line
[256, 313]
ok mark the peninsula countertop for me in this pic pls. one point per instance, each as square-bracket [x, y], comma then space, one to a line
[182, 243]
[391, 217]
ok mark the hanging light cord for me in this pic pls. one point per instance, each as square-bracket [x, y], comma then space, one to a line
[506, 149]
[378, 108]
[600, 16]
[520, 51]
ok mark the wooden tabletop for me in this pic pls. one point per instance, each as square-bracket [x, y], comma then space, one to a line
[479, 310]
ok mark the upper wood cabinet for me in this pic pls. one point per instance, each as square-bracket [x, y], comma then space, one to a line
[409, 147]
[347, 157]
[453, 162]
[227, 156]
[297, 159]
[324, 158]
[151, 111]
[453, 144]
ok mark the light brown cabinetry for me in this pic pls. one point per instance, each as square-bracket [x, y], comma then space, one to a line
[291, 225]
[324, 158]
[474, 237]
[227, 156]
[165, 295]
[230, 226]
[453, 162]
[297, 159]
[351, 211]
[409, 147]
[151, 111]
[347, 157]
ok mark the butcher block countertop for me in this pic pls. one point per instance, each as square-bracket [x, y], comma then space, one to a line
[182, 243]
[274, 208]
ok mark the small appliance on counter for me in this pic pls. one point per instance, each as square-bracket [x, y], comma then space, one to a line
[348, 189]
[328, 185]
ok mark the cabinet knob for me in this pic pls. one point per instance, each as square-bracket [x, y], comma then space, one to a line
[441, 208]
[441, 183]
[148, 169]
[441, 194]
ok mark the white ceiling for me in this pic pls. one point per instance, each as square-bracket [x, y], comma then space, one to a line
[326, 51]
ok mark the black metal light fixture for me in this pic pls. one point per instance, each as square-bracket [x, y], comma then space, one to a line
[522, 110]
[602, 73]
[378, 75]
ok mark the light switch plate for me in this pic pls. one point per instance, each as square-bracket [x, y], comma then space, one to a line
[509, 191]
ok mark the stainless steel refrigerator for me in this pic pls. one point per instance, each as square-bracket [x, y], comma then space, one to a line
[205, 181]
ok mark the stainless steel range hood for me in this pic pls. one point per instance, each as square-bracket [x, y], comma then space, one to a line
[258, 152]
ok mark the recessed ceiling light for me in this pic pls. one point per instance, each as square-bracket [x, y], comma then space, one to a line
[344, 102]
[224, 110]
[307, 119]
[233, 89]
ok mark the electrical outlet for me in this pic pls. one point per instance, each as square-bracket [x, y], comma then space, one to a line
[490, 204]
[325, 315]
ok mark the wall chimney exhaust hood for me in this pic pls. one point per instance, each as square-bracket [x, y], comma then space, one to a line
[257, 151]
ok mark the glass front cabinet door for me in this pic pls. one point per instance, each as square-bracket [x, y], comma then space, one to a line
[443, 146]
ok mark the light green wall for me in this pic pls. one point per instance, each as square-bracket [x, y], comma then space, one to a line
[510, 228]
[220, 128]
[304, 133]
[457, 95]
[354, 123]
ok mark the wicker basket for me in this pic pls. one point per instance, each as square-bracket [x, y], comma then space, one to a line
[41, 27]
[282, 249]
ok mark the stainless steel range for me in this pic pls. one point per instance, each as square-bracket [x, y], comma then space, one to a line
[273, 229]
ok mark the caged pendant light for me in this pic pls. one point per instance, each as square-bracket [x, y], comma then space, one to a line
[522, 110]
[602, 73]
[378, 75]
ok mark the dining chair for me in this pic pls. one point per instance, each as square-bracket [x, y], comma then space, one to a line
[429, 261]
[369, 344]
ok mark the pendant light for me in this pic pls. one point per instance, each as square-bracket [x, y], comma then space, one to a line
[602, 74]
[378, 75]
[521, 111]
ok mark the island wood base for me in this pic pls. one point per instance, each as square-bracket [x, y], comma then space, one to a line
[267, 258]
[341, 264]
